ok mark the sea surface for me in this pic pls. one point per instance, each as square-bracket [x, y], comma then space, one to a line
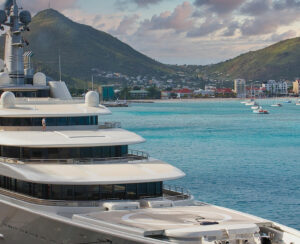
[231, 157]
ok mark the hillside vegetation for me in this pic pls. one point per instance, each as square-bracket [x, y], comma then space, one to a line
[279, 61]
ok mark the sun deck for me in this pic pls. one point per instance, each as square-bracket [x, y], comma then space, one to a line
[122, 172]
[52, 109]
[70, 138]
[183, 222]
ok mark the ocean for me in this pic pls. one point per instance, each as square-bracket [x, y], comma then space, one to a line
[231, 156]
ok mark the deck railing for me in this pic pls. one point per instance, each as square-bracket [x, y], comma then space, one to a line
[175, 193]
[110, 125]
[133, 155]
[64, 203]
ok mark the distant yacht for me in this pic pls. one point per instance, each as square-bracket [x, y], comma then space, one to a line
[276, 105]
[260, 110]
[68, 177]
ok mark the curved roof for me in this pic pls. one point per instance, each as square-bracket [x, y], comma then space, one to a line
[69, 138]
[93, 174]
[52, 110]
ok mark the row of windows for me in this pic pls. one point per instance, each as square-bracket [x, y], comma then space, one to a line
[83, 193]
[61, 121]
[39, 93]
[63, 153]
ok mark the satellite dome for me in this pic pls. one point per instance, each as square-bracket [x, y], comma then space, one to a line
[39, 79]
[4, 79]
[92, 99]
[25, 17]
[3, 16]
[8, 100]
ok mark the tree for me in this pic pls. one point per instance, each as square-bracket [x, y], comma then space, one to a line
[154, 93]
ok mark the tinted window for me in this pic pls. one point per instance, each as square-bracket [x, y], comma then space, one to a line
[83, 193]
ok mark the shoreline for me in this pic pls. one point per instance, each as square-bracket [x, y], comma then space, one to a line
[190, 100]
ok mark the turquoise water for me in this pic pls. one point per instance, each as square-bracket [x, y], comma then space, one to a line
[232, 157]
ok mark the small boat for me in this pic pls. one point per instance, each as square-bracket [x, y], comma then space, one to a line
[289, 101]
[252, 103]
[297, 104]
[276, 105]
[255, 107]
[260, 111]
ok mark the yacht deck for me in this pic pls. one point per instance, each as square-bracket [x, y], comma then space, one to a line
[131, 171]
[191, 221]
[69, 138]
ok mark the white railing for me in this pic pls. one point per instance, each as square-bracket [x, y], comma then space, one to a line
[109, 125]
[175, 193]
[133, 155]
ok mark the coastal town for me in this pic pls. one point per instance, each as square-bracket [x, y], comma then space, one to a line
[122, 87]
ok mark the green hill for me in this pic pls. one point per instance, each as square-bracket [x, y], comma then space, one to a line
[83, 48]
[279, 61]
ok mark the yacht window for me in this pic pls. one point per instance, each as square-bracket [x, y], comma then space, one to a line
[131, 191]
[82, 193]
[120, 191]
[63, 153]
[51, 121]
[106, 192]
[142, 189]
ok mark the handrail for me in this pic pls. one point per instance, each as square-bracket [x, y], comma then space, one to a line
[65, 203]
[176, 191]
[109, 125]
[133, 155]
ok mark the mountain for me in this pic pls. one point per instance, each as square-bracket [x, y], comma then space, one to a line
[279, 61]
[83, 48]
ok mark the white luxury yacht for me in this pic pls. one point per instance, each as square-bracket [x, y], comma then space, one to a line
[66, 177]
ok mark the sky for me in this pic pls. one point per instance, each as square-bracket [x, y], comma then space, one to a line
[185, 31]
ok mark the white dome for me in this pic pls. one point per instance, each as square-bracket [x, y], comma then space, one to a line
[1, 65]
[39, 79]
[8, 100]
[92, 99]
[4, 79]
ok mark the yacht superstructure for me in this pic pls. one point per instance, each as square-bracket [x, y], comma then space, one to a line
[68, 177]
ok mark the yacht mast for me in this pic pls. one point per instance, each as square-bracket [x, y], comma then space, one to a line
[14, 42]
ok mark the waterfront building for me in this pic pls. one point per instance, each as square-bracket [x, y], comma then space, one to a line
[184, 92]
[107, 93]
[139, 94]
[274, 88]
[296, 86]
[240, 88]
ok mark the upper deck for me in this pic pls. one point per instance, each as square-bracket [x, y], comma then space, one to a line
[33, 108]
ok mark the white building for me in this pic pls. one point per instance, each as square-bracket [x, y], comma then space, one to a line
[240, 88]
[279, 88]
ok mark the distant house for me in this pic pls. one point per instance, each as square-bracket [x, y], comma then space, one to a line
[139, 94]
[255, 91]
[276, 88]
[185, 92]
[296, 87]
[107, 93]
[224, 91]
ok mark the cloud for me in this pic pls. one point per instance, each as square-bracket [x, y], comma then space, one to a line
[126, 25]
[256, 7]
[283, 36]
[220, 6]
[121, 4]
[178, 20]
[209, 26]
[269, 22]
